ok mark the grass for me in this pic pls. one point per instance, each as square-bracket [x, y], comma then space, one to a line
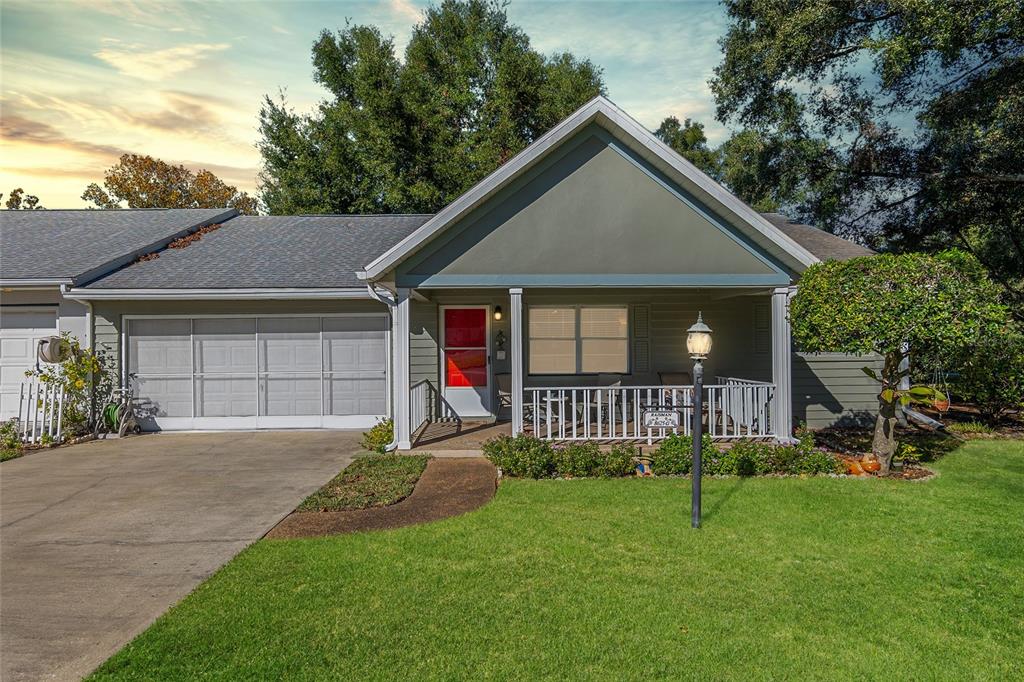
[603, 579]
[970, 427]
[373, 481]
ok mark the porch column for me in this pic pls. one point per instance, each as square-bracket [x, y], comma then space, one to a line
[782, 365]
[400, 362]
[516, 319]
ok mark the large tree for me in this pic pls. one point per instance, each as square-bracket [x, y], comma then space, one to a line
[902, 307]
[897, 121]
[412, 134]
[144, 182]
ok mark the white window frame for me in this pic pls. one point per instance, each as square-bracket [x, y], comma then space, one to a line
[258, 421]
[578, 336]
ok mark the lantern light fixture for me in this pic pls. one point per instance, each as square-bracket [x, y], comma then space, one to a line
[698, 339]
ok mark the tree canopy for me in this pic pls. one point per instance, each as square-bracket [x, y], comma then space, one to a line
[144, 182]
[412, 134]
[899, 306]
[898, 122]
[17, 200]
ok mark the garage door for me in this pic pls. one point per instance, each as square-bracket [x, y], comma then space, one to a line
[19, 332]
[260, 372]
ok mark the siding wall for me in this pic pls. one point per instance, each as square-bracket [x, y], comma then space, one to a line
[827, 388]
[830, 388]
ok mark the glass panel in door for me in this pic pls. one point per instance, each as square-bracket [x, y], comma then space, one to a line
[465, 361]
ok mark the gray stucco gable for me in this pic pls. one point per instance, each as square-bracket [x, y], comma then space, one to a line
[593, 214]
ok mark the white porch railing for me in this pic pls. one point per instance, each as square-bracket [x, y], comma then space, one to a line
[40, 411]
[426, 405]
[732, 409]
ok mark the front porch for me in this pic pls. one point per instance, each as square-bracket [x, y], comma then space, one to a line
[488, 362]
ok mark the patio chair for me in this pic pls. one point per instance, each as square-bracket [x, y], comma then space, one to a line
[504, 382]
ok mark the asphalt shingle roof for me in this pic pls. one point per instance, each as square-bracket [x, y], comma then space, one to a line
[81, 244]
[271, 252]
[824, 245]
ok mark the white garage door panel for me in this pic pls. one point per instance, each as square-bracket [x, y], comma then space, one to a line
[167, 397]
[290, 396]
[161, 346]
[19, 332]
[269, 372]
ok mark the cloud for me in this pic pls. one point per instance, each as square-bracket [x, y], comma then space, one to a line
[406, 10]
[140, 61]
[184, 113]
[280, 29]
[16, 128]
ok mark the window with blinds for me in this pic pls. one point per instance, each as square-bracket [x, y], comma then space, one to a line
[578, 339]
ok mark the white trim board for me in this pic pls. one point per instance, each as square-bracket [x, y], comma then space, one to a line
[609, 116]
[79, 294]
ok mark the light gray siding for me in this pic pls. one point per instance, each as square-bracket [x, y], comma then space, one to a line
[423, 354]
[830, 388]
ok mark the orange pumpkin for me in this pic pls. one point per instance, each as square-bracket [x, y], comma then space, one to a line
[854, 468]
[870, 465]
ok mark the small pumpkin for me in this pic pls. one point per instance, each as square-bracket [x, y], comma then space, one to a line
[870, 464]
[854, 468]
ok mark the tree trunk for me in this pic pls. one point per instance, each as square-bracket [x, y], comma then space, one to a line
[884, 444]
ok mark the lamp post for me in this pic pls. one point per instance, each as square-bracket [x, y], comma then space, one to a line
[698, 343]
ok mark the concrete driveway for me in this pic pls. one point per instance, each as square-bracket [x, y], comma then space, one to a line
[98, 539]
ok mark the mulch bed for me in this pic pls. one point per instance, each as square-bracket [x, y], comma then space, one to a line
[448, 487]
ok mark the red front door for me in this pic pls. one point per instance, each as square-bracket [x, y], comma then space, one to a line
[465, 360]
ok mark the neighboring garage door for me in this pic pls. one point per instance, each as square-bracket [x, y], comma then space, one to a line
[260, 372]
[19, 332]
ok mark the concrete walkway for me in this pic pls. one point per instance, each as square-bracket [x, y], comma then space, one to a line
[98, 539]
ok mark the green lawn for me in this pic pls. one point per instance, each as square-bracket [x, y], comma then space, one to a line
[373, 481]
[604, 579]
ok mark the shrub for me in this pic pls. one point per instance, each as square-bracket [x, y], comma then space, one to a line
[577, 460]
[991, 374]
[908, 454]
[522, 457]
[82, 375]
[379, 436]
[675, 455]
[620, 461]
[747, 458]
[819, 462]
[969, 427]
[9, 438]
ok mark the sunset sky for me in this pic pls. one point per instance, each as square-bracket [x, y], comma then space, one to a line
[83, 81]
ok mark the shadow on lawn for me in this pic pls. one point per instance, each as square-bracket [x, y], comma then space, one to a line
[719, 502]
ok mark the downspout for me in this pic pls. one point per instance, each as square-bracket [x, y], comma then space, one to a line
[390, 303]
[90, 341]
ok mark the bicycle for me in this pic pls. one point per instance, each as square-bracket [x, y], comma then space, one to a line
[119, 414]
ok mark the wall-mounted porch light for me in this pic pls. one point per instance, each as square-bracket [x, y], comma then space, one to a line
[497, 312]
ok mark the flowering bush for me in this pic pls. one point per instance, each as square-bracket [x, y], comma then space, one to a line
[83, 375]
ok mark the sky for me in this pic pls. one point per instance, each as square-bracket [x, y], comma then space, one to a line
[84, 81]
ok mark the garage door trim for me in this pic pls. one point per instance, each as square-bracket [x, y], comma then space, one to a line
[263, 421]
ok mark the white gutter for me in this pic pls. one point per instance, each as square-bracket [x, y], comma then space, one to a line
[90, 294]
[34, 283]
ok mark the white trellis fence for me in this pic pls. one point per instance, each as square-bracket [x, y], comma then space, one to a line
[40, 411]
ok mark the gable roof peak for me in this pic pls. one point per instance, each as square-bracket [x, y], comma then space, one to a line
[627, 129]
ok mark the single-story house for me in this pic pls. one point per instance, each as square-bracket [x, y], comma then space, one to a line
[555, 293]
